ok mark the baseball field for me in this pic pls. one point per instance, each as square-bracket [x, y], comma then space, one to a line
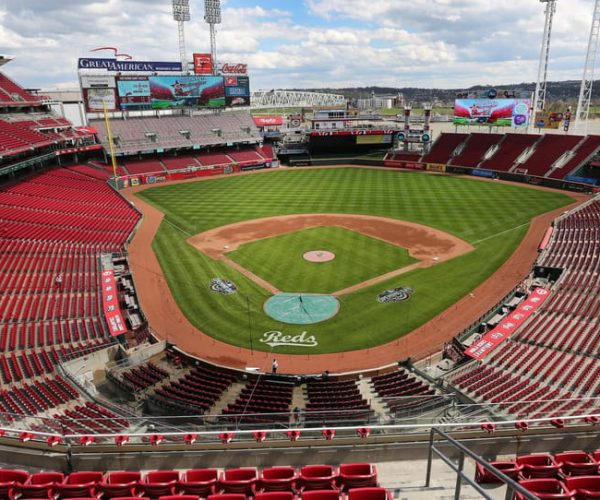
[444, 236]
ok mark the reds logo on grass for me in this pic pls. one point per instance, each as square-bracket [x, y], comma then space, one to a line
[275, 338]
[225, 287]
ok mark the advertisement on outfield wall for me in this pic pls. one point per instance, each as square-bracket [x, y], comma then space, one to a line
[178, 91]
[134, 92]
[98, 99]
[492, 112]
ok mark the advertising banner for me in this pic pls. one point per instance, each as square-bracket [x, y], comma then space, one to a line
[373, 139]
[583, 180]
[203, 64]
[492, 112]
[436, 167]
[97, 99]
[266, 121]
[233, 102]
[121, 66]
[91, 81]
[509, 325]
[233, 69]
[179, 91]
[548, 120]
[134, 92]
[110, 304]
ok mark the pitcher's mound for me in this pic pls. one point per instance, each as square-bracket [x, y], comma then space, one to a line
[319, 256]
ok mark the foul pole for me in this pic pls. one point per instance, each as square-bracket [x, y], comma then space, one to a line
[585, 92]
[111, 146]
[539, 100]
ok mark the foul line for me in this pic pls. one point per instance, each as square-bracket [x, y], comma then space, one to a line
[177, 227]
[498, 234]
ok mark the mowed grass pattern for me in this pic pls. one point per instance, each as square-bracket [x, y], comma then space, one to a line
[279, 259]
[491, 216]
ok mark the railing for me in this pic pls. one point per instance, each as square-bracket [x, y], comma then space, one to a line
[511, 485]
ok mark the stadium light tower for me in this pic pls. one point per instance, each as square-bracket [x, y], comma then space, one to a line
[539, 100]
[585, 92]
[212, 15]
[181, 14]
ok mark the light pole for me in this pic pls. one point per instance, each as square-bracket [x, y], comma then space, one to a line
[181, 14]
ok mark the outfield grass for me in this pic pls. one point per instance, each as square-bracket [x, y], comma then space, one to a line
[279, 259]
[493, 217]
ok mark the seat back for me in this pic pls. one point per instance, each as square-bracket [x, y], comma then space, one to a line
[122, 477]
[508, 467]
[358, 475]
[227, 496]
[161, 476]
[547, 488]
[584, 485]
[83, 477]
[275, 495]
[278, 473]
[318, 477]
[179, 497]
[368, 494]
[13, 476]
[320, 495]
[201, 482]
[245, 474]
[316, 471]
[43, 478]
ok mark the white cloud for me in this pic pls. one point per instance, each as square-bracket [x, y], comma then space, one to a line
[431, 43]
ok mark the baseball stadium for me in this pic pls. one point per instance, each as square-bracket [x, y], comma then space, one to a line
[205, 297]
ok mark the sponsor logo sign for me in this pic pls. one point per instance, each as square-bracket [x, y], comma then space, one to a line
[264, 121]
[203, 64]
[96, 99]
[225, 287]
[395, 295]
[138, 66]
[233, 69]
[508, 325]
[275, 338]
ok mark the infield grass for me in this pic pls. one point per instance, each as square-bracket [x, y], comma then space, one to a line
[493, 217]
[279, 259]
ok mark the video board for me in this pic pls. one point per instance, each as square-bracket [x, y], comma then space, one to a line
[492, 112]
[237, 90]
[186, 91]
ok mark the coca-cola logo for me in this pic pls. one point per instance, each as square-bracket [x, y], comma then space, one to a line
[234, 69]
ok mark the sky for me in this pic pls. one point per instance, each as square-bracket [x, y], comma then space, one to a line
[306, 43]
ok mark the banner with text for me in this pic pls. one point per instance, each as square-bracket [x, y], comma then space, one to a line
[110, 304]
[509, 325]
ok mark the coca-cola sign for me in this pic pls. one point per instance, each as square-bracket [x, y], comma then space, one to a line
[234, 69]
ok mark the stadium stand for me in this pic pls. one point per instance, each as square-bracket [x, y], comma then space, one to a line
[444, 147]
[584, 152]
[269, 401]
[547, 151]
[12, 94]
[170, 132]
[513, 146]
[476, 146]
[549, 367]
[326, 397]
[55, 223]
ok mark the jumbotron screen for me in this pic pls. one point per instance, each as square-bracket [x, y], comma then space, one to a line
[493, 112]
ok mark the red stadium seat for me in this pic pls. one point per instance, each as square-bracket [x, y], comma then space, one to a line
[278, 479]
[9, 478]
[358, 475]
[318, 477]
[274, 495]
[158, 483]
[179, 497]
[576, 463]
[293, 435]
[545, 489]
[79, 484]
[238, 481]
[584, 487]
[259, 436]
[538, 465]
[227, 496]
[320, 495]
[508, 467]
[119, 483]
[369, 494]
[39, 485]
[200, 482]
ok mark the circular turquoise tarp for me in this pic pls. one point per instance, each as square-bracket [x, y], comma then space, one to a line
[301, 308]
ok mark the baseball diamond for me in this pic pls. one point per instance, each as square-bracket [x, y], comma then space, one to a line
[491, 217]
